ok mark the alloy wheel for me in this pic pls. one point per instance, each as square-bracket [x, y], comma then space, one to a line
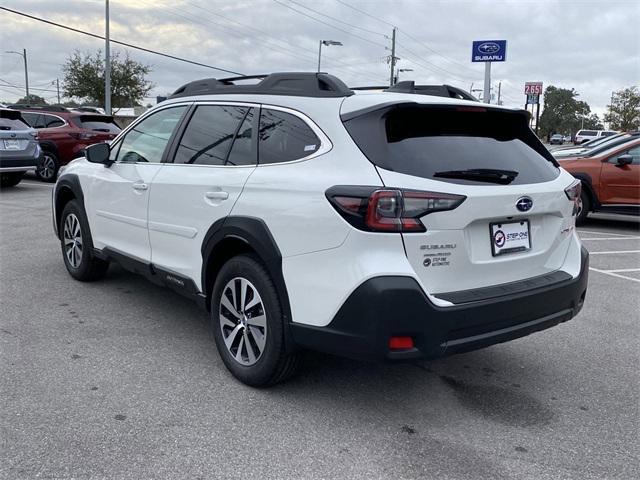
[243, 321]
[72, 236]
[48, 168]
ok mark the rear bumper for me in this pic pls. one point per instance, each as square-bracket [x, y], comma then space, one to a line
[19, 162]
[396, 306]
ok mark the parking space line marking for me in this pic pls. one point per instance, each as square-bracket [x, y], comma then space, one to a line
[614, 252]
[37, 184]
[604, 233]
[614, 274]
[611, 238]
[618, 270]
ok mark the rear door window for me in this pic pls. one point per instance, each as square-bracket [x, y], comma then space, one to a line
[209, 135]
[468, 145]
[51, 121]
[34, 119]
[284, 137]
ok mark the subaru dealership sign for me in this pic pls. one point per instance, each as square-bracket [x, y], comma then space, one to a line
[489, 51]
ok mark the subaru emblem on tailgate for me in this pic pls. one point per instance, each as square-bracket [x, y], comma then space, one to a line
[524, 204]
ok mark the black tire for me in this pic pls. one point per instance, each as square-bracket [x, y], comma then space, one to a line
[47, 171]
[273, 364]
[10, 179]
[82, 265]
[585, 207]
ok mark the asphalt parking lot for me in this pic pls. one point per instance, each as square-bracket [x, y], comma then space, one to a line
[121, 379]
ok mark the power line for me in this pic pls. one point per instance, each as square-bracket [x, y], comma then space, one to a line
[433, 65]
[330, 25]
[405, 33]
[21, 87]
[338, 20]
[66, 27]
[365, 13]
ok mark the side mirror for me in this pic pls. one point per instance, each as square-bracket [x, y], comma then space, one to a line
[623, 160]
[98, 153]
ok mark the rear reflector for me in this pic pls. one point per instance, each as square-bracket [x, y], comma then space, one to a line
[400, 343]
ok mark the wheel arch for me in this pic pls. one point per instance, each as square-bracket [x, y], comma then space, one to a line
[49, 146]
[67, 188]
[236, 235]
[587, 185]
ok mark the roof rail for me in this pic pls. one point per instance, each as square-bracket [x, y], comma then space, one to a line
[410, 86]
[48, 108]
[301, 84]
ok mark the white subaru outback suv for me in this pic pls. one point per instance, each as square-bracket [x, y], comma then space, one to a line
[385, 225]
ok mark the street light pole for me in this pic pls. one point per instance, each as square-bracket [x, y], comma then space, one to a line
[107, 64]
[326, 43]
[26, 70]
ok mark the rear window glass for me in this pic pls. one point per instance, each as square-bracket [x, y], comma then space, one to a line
[97, 123]
[458, 145]
[10, 120]
[588, 133]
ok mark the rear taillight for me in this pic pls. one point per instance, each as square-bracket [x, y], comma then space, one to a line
[390, 209]
[573, 193]
[82, 135]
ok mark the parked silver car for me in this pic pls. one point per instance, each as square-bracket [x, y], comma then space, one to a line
[19, 148]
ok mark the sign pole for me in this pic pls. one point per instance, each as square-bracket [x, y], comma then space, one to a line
[537, 114]
[487, 82]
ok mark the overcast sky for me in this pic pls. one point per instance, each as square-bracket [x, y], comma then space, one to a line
[592, 46]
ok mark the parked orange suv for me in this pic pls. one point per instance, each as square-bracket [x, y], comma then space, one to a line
[610, 179]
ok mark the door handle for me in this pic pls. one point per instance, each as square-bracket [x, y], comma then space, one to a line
[140, 186]
[217, 195]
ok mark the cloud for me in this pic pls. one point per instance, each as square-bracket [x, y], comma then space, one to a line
[583, 45]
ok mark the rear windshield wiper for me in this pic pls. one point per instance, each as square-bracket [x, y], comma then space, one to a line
[489, 175]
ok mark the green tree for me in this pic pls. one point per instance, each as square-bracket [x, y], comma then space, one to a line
[624, 112]
[592, 122]
[84, 79]
[32, 100]
[563, 112]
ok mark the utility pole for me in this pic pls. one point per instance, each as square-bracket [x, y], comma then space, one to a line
[486, 95]
[107, 63]
[57, 84]
[26, 70]
[393, 57]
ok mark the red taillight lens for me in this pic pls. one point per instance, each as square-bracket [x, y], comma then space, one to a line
[573, 193]
[389, 210]
[400, 343]
[82, 135]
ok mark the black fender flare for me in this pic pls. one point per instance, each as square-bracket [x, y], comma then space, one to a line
[66, 183]
[255, 233]
[587, 184]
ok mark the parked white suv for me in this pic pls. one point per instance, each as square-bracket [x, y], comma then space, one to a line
[586, 135]
[376, 226]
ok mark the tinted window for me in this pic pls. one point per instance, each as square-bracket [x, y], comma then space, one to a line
[587, 133]
[284, 137]
[466, 145]
[147, 140]
[51, 121]
[97, 123]
[242, 151]
[34, 119]
[608, 134]
[12, 124]
[209, 135]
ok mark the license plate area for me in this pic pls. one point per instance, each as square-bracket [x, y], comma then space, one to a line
[11, 145]
[510, 237]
